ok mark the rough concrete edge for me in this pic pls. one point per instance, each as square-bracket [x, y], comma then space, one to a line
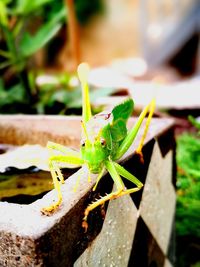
[22, 218]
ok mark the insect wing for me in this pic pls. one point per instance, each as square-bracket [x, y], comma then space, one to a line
[121, 113]
[106, 134]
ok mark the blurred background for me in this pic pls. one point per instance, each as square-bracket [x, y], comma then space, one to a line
[140, 48]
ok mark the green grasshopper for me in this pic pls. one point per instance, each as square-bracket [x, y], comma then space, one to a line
[104, 141]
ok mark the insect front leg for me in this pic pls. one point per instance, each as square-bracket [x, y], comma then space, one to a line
[57, 180]
[57, 176]
[60, 148]
[98, 178]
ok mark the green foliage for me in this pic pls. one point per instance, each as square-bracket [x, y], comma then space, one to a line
[85, 9]
[7, 97]
[188, 184]
[20, 43]
[188, 216]
[20, 40]
[64, 97]
[194, 122]
[26, 7]
[30, 44]
[188, 200]
[26, 27]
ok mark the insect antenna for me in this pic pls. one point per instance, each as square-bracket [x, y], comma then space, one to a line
[85, 131]
[83, 72]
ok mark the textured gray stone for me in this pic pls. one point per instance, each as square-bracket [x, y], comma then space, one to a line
[167, 263]
[158, 200]
[28, 238]
[113, 245]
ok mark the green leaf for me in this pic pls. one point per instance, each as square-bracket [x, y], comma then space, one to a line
[14, 94]
[194, 122]
[9, 41]
[3, 13]
[25, 7]
[5, 54]
[30, 44]
[188, 185]
[5, 64]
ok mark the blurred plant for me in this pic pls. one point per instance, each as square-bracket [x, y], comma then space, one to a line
[195, 122]
[20, 39]
[26, 27]
[20, 42]
[188, 185]
[15, 94]
[61, 94]
[84, 9]
[188, 198]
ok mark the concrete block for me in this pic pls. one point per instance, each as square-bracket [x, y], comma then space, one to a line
[158, 200]
[112, 247]
[28, 238]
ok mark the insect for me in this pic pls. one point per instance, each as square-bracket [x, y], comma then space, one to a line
[104, 141]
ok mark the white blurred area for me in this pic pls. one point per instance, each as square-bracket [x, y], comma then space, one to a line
[135, 37]
[129, 28]
[178, 95]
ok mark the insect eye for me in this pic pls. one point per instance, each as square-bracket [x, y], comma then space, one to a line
[83, 143]
[103, 142]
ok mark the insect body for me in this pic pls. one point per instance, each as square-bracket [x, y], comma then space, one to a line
[105, 139]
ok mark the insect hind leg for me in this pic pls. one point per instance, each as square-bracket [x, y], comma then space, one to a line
[97, 203]
[120, 187]
[140, 146]
[102, 201]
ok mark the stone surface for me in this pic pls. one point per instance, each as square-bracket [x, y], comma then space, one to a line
[145, 249]
[159, 198]
[167, 263]
[23, 129]
[33, 239]
[29, 238]
[113, 245]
